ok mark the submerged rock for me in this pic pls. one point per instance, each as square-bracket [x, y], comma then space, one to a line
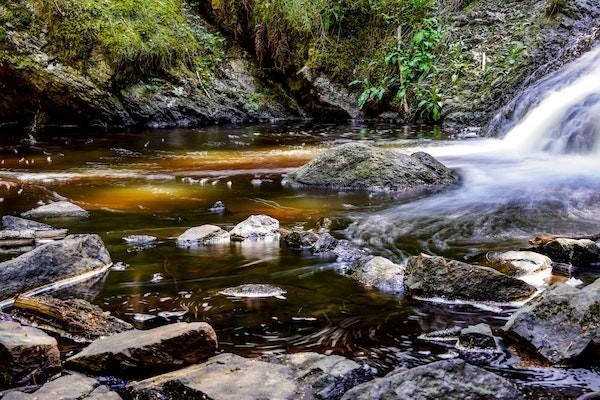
[428, 276]
[477, 337]
[562, 324]
[57, 209]
[364, 167]
[28, 355]
[217, 208]
[448, 380]
[76, 317]
[531, 267]
[68, 387]
[379, 273]
[203, 235]
[51, 262]
[578, 252]
[256, 227]
[144, 352]
[254, 291]
[140, 239]
[300, 239]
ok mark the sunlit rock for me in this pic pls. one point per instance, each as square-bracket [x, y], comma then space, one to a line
[256, 227]
[300, 239]
[57, 209]
[202, 235]
[531, 267]
[562, 324]
[68, 387]
[254, 291]
[578, 252]
[140, 239]
[28, 355]
[379, 273]
[142, 353]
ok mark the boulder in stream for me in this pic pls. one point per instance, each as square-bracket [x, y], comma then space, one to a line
[562, 325]
[141, 353]
[448, 380]
[256, 227]
[364, 167]
[578, 252]
[26, 354]
[529, 266]
[254, 291]
[477, 337]
[431, 276]
[57, 209]
[379, 273]
[20, 232]
[300, 240]
[202, 235]
[67, 387]
[51, 262]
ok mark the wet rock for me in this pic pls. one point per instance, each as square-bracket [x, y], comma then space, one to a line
[140, 239]
[531, 267]
[332, 94]
[379, 273]
[19, 232]
[57, 209]
[428, 276]
[217, 208]
[364, 167]
[76, 317]
[448, 380]
[324, 224]
[225, 377]
[254, 291]
[477, 337]
[11, 223]
[300, 239]
[326, 243]
[74, 255]
[346, 253]
[68, 387]
[145, 352]
[579, 252]
[562, 324]
[203, 235]
[256, 227]
[26, 354]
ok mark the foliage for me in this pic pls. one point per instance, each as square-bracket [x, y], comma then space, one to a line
[555, 7]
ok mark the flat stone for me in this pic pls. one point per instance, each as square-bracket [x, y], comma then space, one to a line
[203, 235]
[428, 276]
[578, 252]
[476, 337]
[448, 380]
[142, 353]
[140, 239]
[254, 291]
[57, 209]
[11, 223]
[531, 267]
[27, 354]
[68, 387]
[379, 273]
[256, 227]
[72, 256]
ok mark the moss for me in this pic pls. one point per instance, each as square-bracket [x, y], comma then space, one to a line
[15, 13]
[3, 36]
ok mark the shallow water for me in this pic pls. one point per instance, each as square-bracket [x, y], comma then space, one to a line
[161, 182]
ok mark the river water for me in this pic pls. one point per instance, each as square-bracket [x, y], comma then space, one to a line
[161, 182]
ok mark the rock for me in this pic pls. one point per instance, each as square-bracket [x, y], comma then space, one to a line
[254, 291]
[477, 337]
[76, 317]
[68, 387]
[140, 239]
[448, 380]
[57, 209]
[562, 324]
[428, 276]
[334, 95]
[72, 256]
[324, 224]
[379, 273]
[364, 167]
[217, 208]
[300, 239]
[11, 223]
[531, 267]
[225, 377]
[26, 354]
[256, 227]
[578, 252]
[19, 231]
[144, 352]
[326, 243]
[203, 235]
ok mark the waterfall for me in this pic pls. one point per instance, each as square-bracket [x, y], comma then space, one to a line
[560, 113]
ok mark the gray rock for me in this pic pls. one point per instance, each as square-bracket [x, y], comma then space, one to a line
[72, 256]
[144, 352]
[346, 253]
[578, 252]
[364, 167]
[254, 291]
[256, 227]
[428, 276]
[326, 243]
[331, 93]
[26, 354]
[379, 273]
[57, 209]
[562, 324]
[203, 235]
[19, 231]
[300, 240]
[477, 337]
[520, 263]
[11, 223]
[448, 380]
[140, 239]
[225, 377]
[68, 387]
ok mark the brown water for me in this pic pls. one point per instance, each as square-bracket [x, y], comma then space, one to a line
[162, 182]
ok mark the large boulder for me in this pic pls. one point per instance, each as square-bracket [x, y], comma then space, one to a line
[531, 267]
[562, 324]
[448, 380]
[256, 227]
[144, 352]
[26, 354]
[364, 167]
[68, 387]
[300, 240]
[428, 276]
[72, 256]
[202, 235]
[578, 252]
[57, 209]
[379, 273]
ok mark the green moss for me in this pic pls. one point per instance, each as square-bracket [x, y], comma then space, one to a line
[15, 13]
[3, 36]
